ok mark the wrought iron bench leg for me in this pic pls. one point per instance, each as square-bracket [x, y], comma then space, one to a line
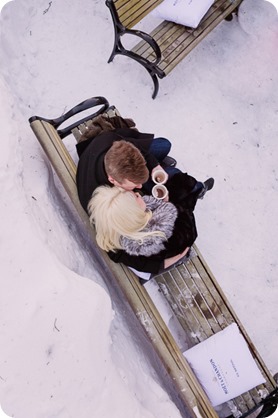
[155, 82]
[117, 48]
[121, 51]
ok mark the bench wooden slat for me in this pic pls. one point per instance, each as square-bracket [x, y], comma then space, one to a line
[77, 134]
[182, 308]
[207, 304]
[248, 400]
[217, 311]
[217, 303]
[83, 128]
[199, 307]
[164, 31]
[131, 13]
[261, 391]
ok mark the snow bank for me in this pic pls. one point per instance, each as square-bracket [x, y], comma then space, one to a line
[63, 351]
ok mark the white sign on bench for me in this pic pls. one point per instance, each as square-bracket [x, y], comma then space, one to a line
[224, 365]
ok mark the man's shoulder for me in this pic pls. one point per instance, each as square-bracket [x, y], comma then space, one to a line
[100, 143]
[103, 141]
[133, 133]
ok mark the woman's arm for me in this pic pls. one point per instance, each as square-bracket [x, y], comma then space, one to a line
[152, 264]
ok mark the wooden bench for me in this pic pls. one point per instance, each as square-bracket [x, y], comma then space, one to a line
[191, 290]
[161, 50]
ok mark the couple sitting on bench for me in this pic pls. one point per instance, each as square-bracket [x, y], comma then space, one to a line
[145, 233]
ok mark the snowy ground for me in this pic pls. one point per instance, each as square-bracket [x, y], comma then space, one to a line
[68, 347]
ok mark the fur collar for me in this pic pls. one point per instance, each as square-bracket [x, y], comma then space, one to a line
[163, 219]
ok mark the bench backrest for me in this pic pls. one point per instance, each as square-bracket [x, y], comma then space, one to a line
[131, 12]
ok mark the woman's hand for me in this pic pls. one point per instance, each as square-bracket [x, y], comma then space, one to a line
[172, 260]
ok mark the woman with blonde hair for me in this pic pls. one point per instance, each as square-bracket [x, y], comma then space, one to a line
[125, 220]
[156, 232]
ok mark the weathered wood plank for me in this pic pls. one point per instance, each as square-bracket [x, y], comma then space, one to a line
[187, 287]
[182, 307]
[132, 12]
[77, 134]
[207, 304]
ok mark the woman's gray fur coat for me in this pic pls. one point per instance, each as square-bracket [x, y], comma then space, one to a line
[163, 219]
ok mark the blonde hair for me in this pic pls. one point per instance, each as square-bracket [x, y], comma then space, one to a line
[115, 214]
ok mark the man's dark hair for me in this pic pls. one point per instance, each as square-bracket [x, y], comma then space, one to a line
[124, 161]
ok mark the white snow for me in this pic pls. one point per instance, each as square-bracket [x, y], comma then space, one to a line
[69, 347]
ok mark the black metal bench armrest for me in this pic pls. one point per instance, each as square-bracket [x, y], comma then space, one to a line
[269, 404]
[87, 104]
[147, 38]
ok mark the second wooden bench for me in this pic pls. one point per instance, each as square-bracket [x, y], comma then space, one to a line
[161, 50]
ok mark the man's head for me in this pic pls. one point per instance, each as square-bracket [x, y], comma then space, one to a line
[125, 166]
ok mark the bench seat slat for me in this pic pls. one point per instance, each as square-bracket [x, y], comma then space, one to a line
[131, 13]
[184, 314]
[224, 315]
[202, 308]
[187, 294]
[208, 304]
[76, 133]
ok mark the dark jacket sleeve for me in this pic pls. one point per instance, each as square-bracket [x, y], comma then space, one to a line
[151, 161]
[152, 264]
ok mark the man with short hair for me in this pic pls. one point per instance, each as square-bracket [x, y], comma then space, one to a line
[122, 157]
